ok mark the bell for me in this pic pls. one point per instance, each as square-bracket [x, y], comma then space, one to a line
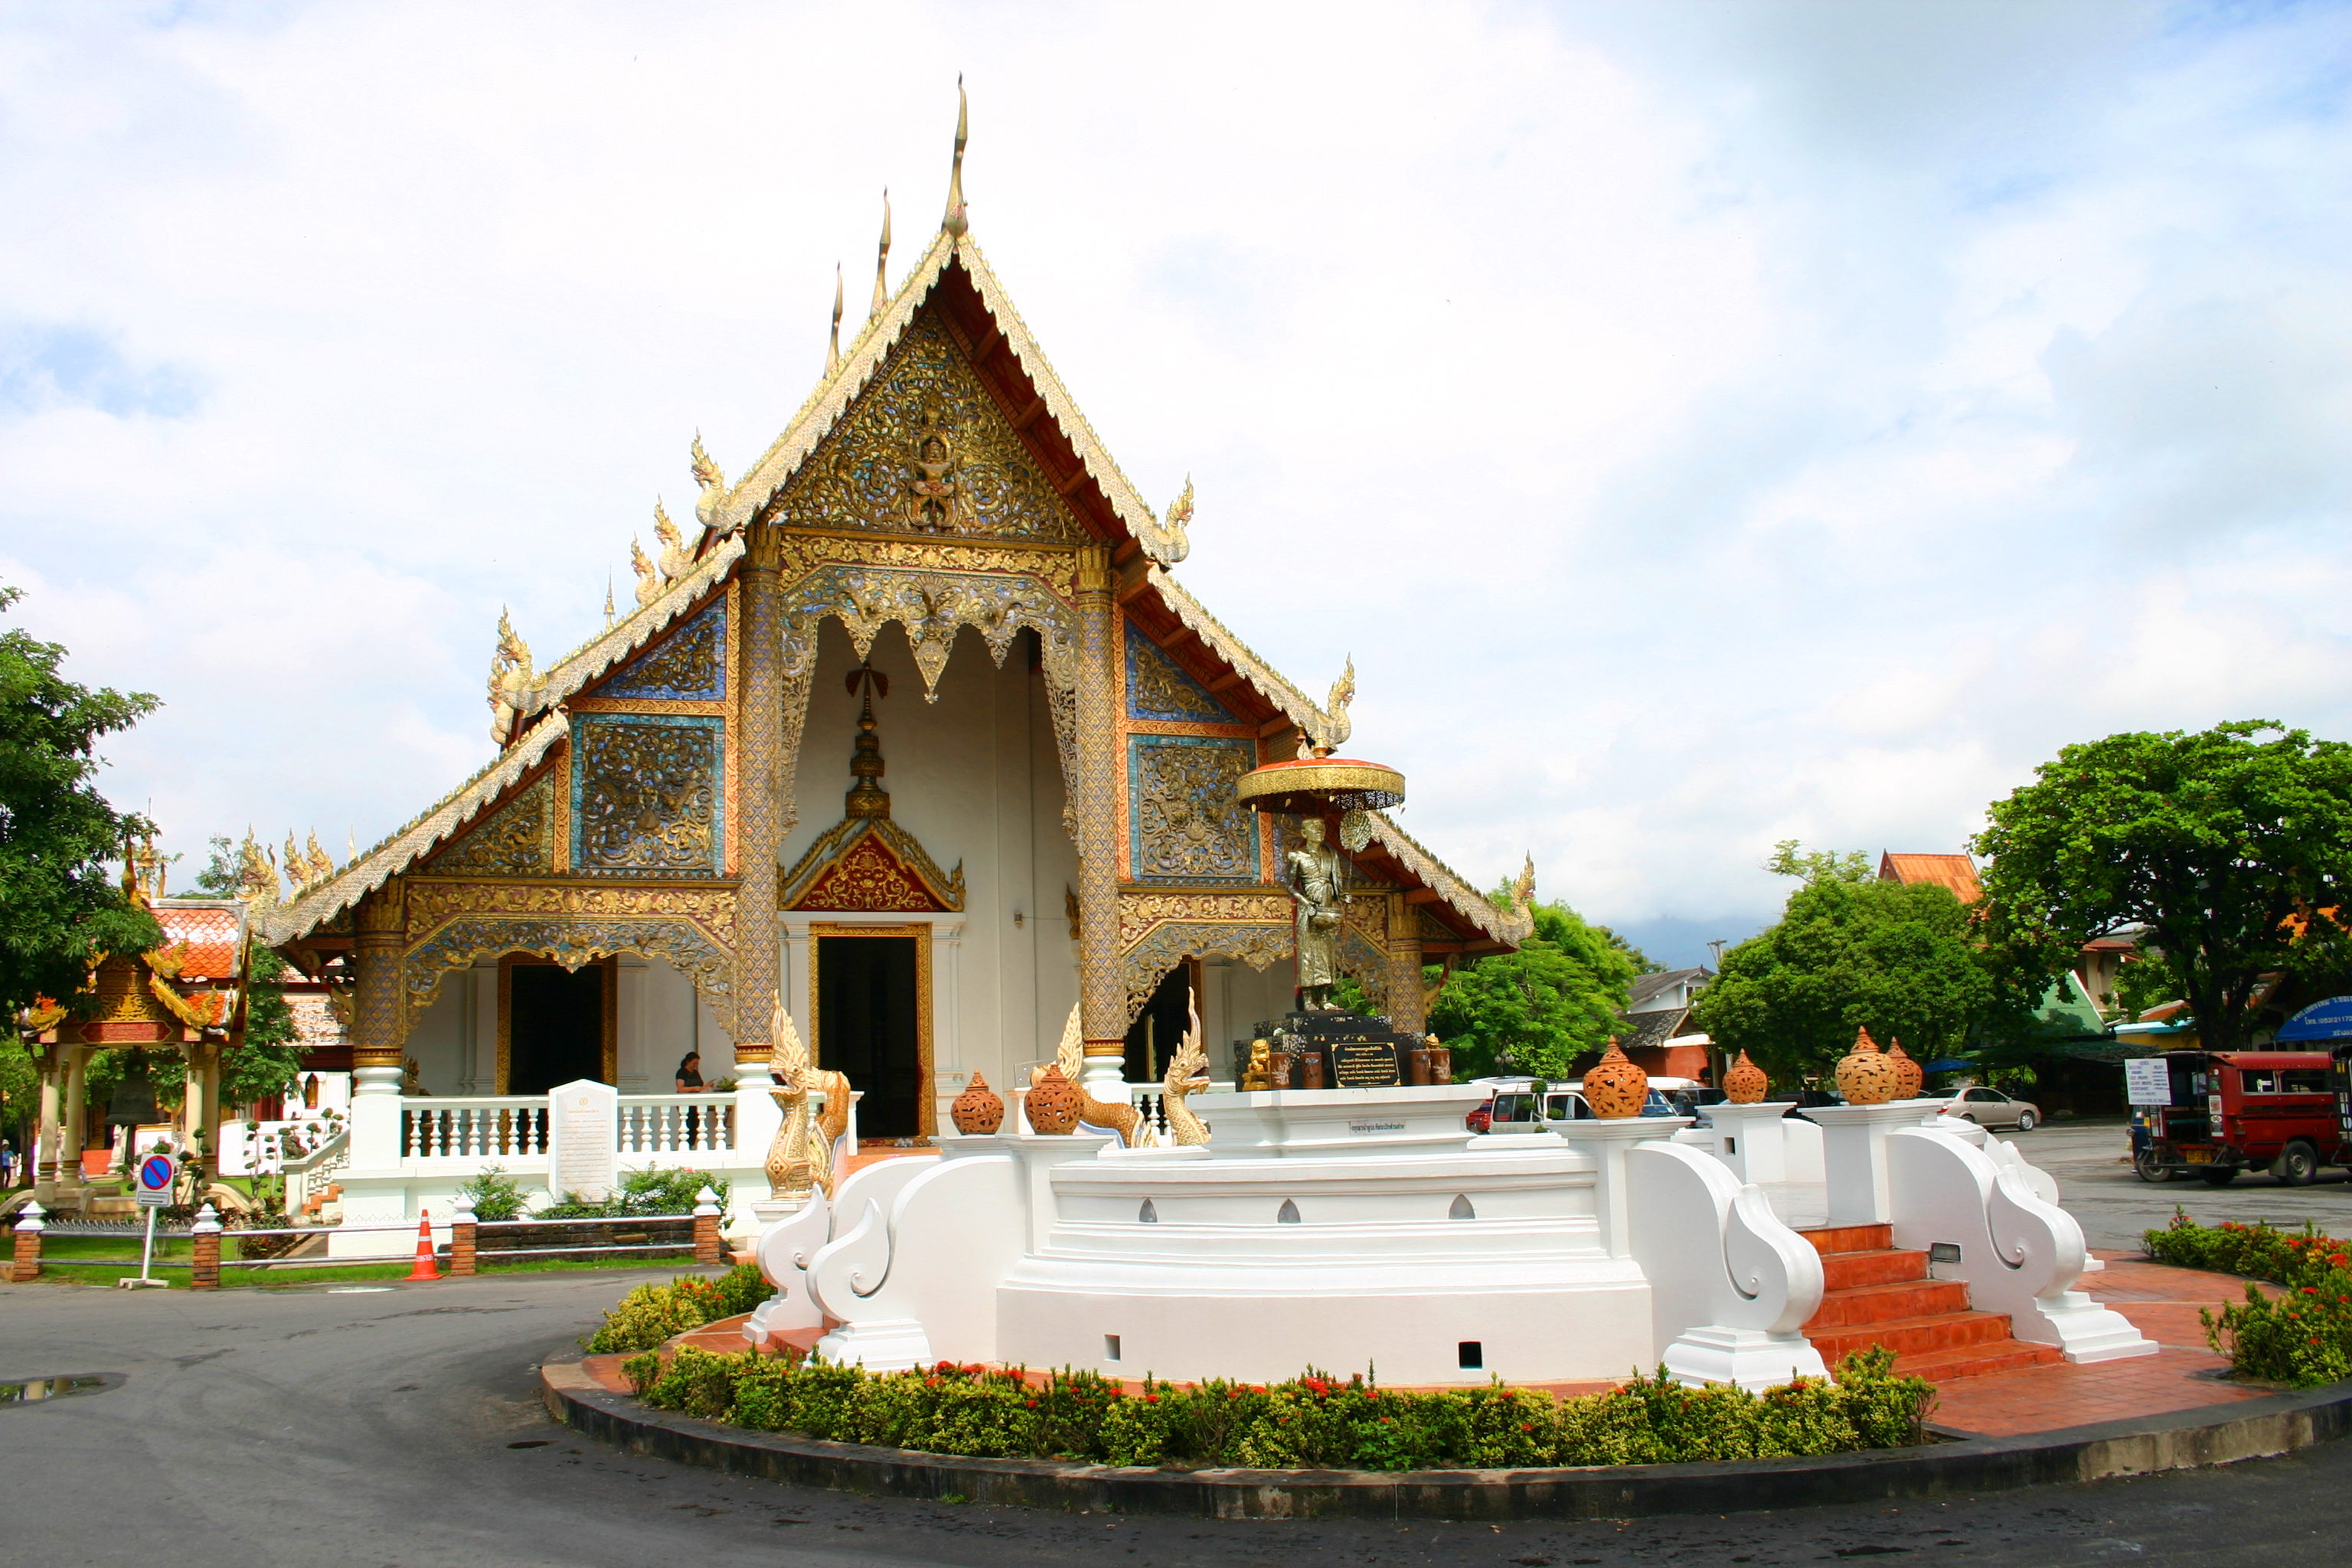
[132, 1104]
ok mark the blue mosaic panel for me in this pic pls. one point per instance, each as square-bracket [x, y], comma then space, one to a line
[647, 795]
[689, 665]
[1157, 688]
[1184, 822]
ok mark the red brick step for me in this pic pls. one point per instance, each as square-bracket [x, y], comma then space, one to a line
[1879, 1294]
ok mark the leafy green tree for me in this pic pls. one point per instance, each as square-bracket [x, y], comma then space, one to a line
[2234, 852]
[59, 908]
[1560, 995]
[1849, 953]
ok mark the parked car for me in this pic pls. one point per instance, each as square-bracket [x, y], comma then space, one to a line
[2243, 1111]
[1987, 1107]
[1513, 1105]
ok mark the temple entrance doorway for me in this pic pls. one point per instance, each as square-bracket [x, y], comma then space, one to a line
[1158, 1029]
[869, 1022]
[555, 1025]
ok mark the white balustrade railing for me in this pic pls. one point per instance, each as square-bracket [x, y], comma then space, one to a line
[675, 1124]
[499, 1126]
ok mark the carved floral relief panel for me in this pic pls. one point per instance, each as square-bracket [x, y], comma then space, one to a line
[924, 449]
[645, 795]
[1157, 688]
[516, 840]
[689, 665]
[1184, 824]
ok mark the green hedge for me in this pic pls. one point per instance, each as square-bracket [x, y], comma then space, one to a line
[652, 1313]
[1311, 1422]
[2303, 1337]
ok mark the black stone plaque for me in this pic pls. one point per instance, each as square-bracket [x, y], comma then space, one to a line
[1364, 1064]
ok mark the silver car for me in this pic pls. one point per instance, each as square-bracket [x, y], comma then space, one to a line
[1987, 1107]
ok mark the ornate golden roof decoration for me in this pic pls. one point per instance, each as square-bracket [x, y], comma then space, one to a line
[958, 222]
[513, 686]
[1179, 543]
[710, 477]
[833, 344]
[675, 560]
[882, 262]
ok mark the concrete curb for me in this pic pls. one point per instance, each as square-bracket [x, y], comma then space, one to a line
[2185, 1439]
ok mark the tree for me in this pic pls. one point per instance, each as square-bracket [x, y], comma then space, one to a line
[60, 910]
[1851, 953]
[2233, 851]
[1560, 995]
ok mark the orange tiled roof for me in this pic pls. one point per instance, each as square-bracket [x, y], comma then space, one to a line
[1957, 872]
[212, 932]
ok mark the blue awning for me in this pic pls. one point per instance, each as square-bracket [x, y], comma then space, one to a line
[1947, 1064]
[2328, 1020]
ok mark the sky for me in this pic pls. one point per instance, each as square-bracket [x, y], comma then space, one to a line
[1704, 425]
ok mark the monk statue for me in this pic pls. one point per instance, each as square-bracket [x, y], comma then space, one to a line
[1315, 875]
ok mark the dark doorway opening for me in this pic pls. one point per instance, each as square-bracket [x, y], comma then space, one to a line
[1159, 1030]
[555, 1025]
[867, 1026]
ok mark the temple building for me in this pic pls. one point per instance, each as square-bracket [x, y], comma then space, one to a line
[916, 733]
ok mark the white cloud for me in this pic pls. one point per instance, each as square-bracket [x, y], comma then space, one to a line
[1706, 424]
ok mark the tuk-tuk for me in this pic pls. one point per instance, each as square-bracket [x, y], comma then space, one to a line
[2245, 1110]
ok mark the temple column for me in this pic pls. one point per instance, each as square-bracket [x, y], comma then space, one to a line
[203, 1102]
[45, 1146]
[74, 1115]
[377, 1030]
[757, 833]
[1406, 1014]
[1102, 997]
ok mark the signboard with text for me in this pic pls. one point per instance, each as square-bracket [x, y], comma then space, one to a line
[2147, 1081]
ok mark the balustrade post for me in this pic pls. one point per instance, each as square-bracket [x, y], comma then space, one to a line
[25, 1266]
[204, 1239]
[706, 1227]
[461, 1239]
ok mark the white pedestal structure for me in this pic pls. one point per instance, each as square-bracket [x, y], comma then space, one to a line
[1353, 1230]
[1751, 1141]
[1853, 1156]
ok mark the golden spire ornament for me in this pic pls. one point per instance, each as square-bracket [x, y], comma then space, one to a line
[957, 221]
[882, 262]
[833, 344]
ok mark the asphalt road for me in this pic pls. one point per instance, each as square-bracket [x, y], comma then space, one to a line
[2096, 1184]
[401, 1429]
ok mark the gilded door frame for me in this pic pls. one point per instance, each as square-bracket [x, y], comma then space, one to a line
[611, 968]
[927, 1124]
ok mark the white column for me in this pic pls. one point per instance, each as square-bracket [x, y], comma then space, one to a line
[1606, 1139]
[375, 1118]
[1854, 1157]
[1750, 1139]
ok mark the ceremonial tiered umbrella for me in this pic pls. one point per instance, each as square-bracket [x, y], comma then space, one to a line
[1321, 786]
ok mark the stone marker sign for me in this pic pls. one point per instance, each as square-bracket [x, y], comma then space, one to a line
[1364, 1064]
[581, 1159]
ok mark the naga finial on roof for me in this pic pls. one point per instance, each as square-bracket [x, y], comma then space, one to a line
[674, 557]
[1523, 886]
[1343, 692]
[882, 262]
[1179, 543]
[649, 582]
[958, 222]
[833, 344]
[511, 679]
[257, 876]
[712, 480]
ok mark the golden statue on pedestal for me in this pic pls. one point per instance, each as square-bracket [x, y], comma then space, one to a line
[1318, 885]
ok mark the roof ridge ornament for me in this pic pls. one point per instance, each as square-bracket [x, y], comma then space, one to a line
[882, 262]
[957, 221]
[649, 583]
[1177, 544]
[713, 480]
[833, 344]
[1523, 889]
[1343, 692]
[675, 559]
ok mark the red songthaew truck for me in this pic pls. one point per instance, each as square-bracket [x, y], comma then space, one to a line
[2244, 1110]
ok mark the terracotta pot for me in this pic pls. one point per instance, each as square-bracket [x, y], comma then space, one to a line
[978, 1110]
[1053, 1104]
[1868, 1076]
[1909, 1077]
[1745, 1084]
[1616, 1089]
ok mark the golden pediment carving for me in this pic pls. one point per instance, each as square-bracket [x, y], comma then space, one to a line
[869, 864]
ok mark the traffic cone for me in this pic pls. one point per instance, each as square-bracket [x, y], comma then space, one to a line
[423, 1269]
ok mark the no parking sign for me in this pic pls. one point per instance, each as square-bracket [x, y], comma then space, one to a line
[157, 1176]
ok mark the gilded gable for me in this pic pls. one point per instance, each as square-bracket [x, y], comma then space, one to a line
[516, 840]
[689, 665]
[925, 450]
[1157, 688]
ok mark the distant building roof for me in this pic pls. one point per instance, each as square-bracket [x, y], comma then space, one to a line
[213, 931]
[1957, 872]
[1666, 989]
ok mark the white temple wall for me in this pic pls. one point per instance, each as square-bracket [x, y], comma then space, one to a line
[440, 1038]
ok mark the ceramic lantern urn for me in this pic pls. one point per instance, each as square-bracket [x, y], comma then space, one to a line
[1868, 1076]
[1616, 1089]
[1745, 1084]
[1908, 1073]
[1053, 1104]
[978, 1110]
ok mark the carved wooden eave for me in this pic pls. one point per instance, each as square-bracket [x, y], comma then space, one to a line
[321, 903]
[1469, 914]
[943, 890]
